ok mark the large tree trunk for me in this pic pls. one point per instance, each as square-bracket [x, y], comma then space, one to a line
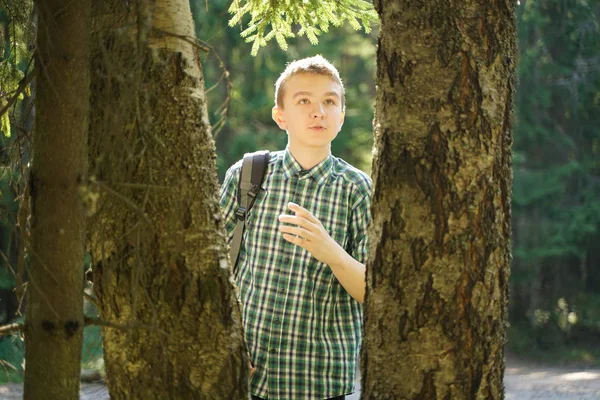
[54, 315]
[157, 243]
[437, 279]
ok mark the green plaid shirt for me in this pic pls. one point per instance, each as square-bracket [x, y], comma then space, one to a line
[302, 328]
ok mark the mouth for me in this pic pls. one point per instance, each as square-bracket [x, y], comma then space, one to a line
[317, 127]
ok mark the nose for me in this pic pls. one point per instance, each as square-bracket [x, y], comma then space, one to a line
[318, 111]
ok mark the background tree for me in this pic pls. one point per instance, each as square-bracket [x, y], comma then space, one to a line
[437, 277]
[16, 104]
[556, 271]
[54, 319]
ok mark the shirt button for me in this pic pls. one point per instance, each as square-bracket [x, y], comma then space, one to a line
[276, 321]
[286, 261]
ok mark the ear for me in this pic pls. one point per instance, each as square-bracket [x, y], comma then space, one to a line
[342, 115]
[278, 117]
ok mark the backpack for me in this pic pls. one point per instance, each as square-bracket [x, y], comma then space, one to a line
[252, 174]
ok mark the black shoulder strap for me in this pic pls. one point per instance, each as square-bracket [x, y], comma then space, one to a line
[252, 174]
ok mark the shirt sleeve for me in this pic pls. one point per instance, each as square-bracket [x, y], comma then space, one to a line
[360, 220]
[228, 199]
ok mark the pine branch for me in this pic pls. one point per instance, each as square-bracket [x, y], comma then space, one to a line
[21, 89]
[274, 19]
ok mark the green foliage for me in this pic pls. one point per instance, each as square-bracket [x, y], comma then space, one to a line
[557, 126]
[314, 17]
[12, 353]
[8, 211]
[92, 355]
[5, 123]
[16, 36]
[565, 332]
[556, 191]
[556, 135]
[549, 346]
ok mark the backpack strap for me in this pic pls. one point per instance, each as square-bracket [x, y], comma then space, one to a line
[252, 174]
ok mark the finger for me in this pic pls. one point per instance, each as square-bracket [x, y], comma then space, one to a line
[300, 221]
[295, 240]
[302, 212]
[302, 233]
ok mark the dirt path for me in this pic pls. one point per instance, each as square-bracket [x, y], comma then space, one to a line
[522, 382]
[551, 383]
[527, 382]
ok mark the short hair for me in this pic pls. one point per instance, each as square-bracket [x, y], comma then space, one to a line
[311, 65]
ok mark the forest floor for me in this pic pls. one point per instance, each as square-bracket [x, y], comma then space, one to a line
[523, 381]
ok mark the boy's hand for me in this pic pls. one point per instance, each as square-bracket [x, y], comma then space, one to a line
[310, 234]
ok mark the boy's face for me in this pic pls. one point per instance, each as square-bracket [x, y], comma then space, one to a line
[312, 111]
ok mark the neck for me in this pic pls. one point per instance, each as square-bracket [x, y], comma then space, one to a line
[308, 158]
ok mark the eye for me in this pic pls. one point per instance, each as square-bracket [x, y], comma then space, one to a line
[330, 102]
[303, 101]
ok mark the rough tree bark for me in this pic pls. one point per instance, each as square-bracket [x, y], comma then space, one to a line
[54, 313]
[159, 251]
[437, 279]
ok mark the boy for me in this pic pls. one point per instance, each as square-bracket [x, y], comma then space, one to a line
[301, 268]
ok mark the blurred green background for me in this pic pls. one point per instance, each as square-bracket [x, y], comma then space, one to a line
[555, 281]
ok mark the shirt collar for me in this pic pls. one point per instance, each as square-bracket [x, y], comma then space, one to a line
[319, 172]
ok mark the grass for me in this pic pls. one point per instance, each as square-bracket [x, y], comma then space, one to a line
[11, 359]
[12, 355]
[550, 347]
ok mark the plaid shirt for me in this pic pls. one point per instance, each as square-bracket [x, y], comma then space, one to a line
[302, 328]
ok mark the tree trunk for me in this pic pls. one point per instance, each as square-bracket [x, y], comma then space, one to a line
[157, 243]
[54, 315]
[435, 312]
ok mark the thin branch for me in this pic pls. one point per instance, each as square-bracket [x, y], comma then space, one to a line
[10, 328]
[8, 263]
[22, 215]
[89, 321]
[189, 39]
[125, 200]
[41, 292]
[141, 186]
[224, 106]
[22, 86]
[63, 9]
[91, 299]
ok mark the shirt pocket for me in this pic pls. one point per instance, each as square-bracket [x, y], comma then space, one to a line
[337, 227]
[322, 281]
